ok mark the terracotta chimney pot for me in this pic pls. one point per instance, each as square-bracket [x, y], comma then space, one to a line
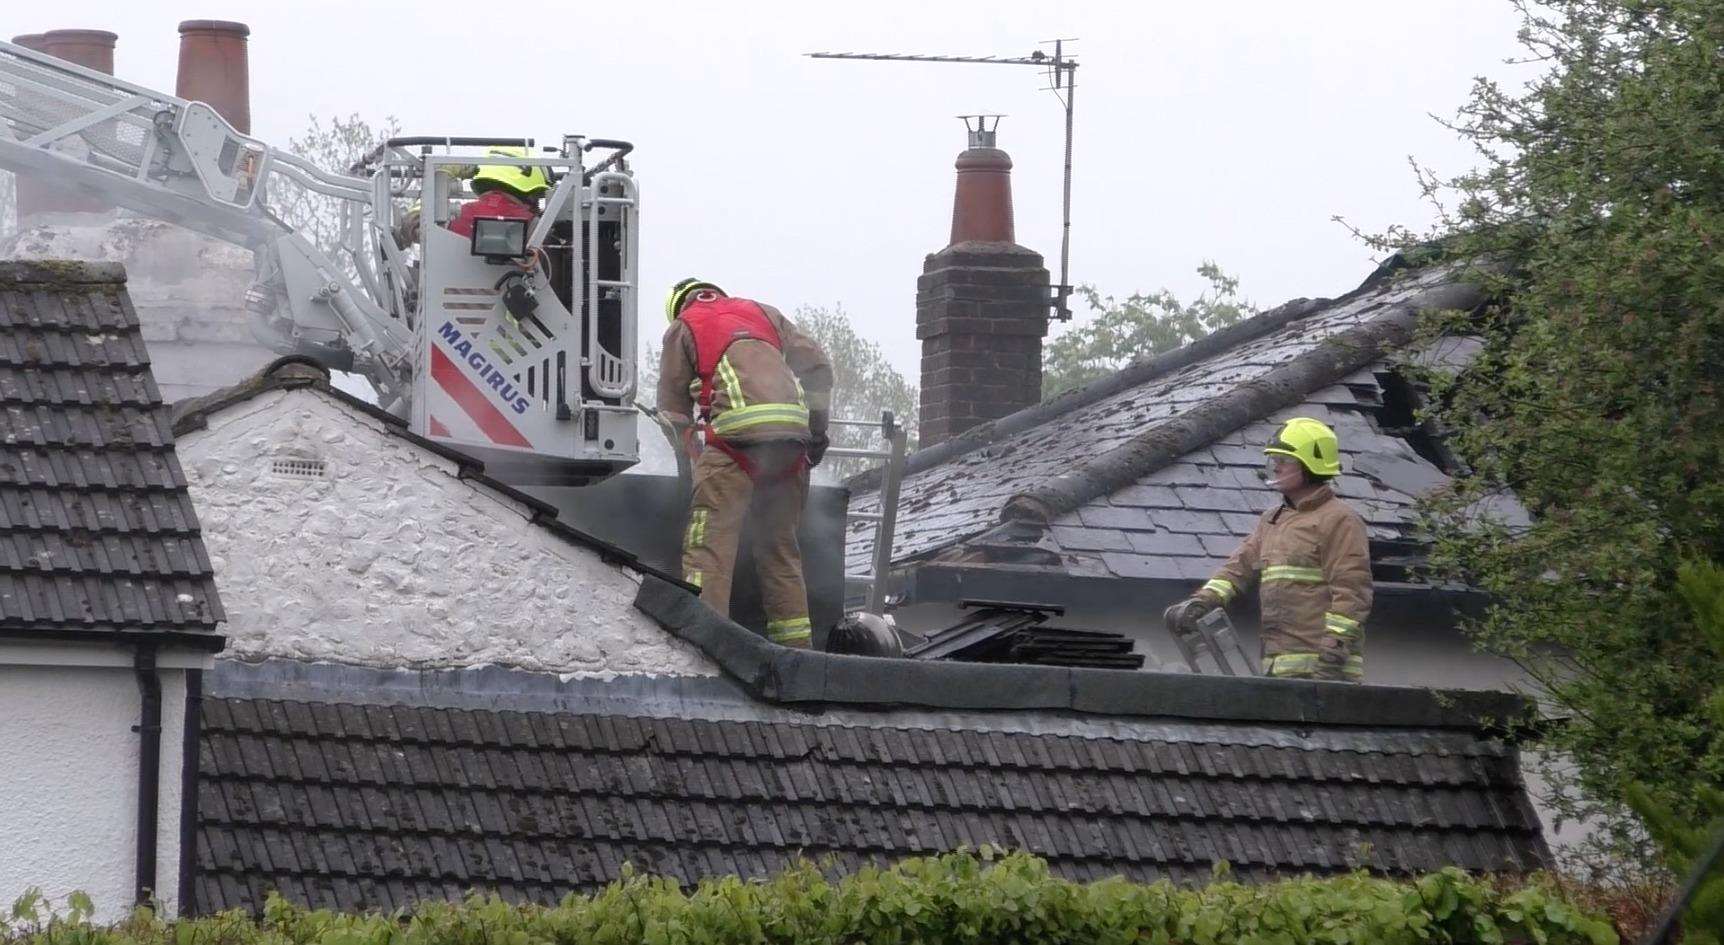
[214, 70]
[93, 49]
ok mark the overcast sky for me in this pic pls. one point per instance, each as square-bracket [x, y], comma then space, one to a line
[1231, 131]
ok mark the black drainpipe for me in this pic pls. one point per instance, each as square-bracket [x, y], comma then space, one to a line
[189, 792]
[149, 729]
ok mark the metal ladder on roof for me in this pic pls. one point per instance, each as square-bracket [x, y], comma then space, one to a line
[1211, 636]
[895, 440]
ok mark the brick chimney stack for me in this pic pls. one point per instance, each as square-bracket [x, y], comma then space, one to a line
[92, 49]
[214, 69]
[981, 303]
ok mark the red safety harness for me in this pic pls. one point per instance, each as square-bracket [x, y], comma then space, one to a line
[715, 326]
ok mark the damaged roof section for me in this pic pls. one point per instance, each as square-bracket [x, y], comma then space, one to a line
[100, 536]
[1153, 473]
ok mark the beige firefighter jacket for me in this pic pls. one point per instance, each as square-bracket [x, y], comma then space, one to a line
[759, 394]
[1315, 567]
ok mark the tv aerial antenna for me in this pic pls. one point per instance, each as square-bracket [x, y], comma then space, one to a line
[1062, 81]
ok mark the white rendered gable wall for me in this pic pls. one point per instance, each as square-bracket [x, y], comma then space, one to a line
[335, 540]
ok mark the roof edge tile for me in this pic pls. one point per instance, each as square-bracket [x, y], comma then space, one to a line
[60, 272]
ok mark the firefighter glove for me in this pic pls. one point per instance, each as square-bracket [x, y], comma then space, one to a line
[817, 448]
[1194, 610]
[1333, 652]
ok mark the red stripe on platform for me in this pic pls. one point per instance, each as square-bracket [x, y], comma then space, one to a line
[471, 399]
[437, 428]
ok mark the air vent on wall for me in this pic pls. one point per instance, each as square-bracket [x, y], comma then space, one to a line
[297, 468]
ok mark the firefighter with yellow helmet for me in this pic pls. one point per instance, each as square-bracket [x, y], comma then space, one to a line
[1311, 559]
[754, 394]
[509, 191]
[504, 190]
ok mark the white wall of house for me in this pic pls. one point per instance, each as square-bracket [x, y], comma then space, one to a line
[69, 774]
[334, 540]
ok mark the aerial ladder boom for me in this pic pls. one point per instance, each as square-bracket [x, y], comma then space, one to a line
[180, 161]
[426, 324]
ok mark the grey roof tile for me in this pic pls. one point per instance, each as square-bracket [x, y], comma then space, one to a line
[100, 532]
[537, 820]
[1091, 539]
[962, 496]
[1146, 496]
[1188, 522]
[1116, 517]
[1166, 543]
[1146, 567]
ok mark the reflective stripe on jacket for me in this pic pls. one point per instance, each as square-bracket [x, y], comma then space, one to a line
[760, 392]
[1314, 564]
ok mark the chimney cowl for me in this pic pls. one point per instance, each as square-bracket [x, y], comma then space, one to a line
[28, 41]
[214, 69]
[982, 203]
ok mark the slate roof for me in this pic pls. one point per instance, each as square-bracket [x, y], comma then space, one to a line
[99, 535]
[351, 788]
[1152, 474]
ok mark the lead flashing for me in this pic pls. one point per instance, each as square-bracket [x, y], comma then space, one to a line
[786, 676]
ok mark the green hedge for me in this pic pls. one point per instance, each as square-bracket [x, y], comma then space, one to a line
[957, 898]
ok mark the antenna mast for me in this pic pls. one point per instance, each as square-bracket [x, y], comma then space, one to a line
[1062, 76]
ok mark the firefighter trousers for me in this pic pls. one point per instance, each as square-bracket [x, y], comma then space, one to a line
[725, 497]
[1337, 658]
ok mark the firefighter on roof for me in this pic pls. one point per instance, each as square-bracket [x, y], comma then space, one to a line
[1311, 557]
[754, 393]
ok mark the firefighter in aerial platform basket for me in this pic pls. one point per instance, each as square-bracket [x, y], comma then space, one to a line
[753, 393]
[504, 191]
[1310, 554]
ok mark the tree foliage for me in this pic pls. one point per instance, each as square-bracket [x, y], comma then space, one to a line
[864, 384]
[957, 899]
[1597, 212]
[333, 145]
[1687, 842]
[1140, 326]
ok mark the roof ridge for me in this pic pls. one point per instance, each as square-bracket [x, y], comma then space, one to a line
[1252, 400]
[1138, 372]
